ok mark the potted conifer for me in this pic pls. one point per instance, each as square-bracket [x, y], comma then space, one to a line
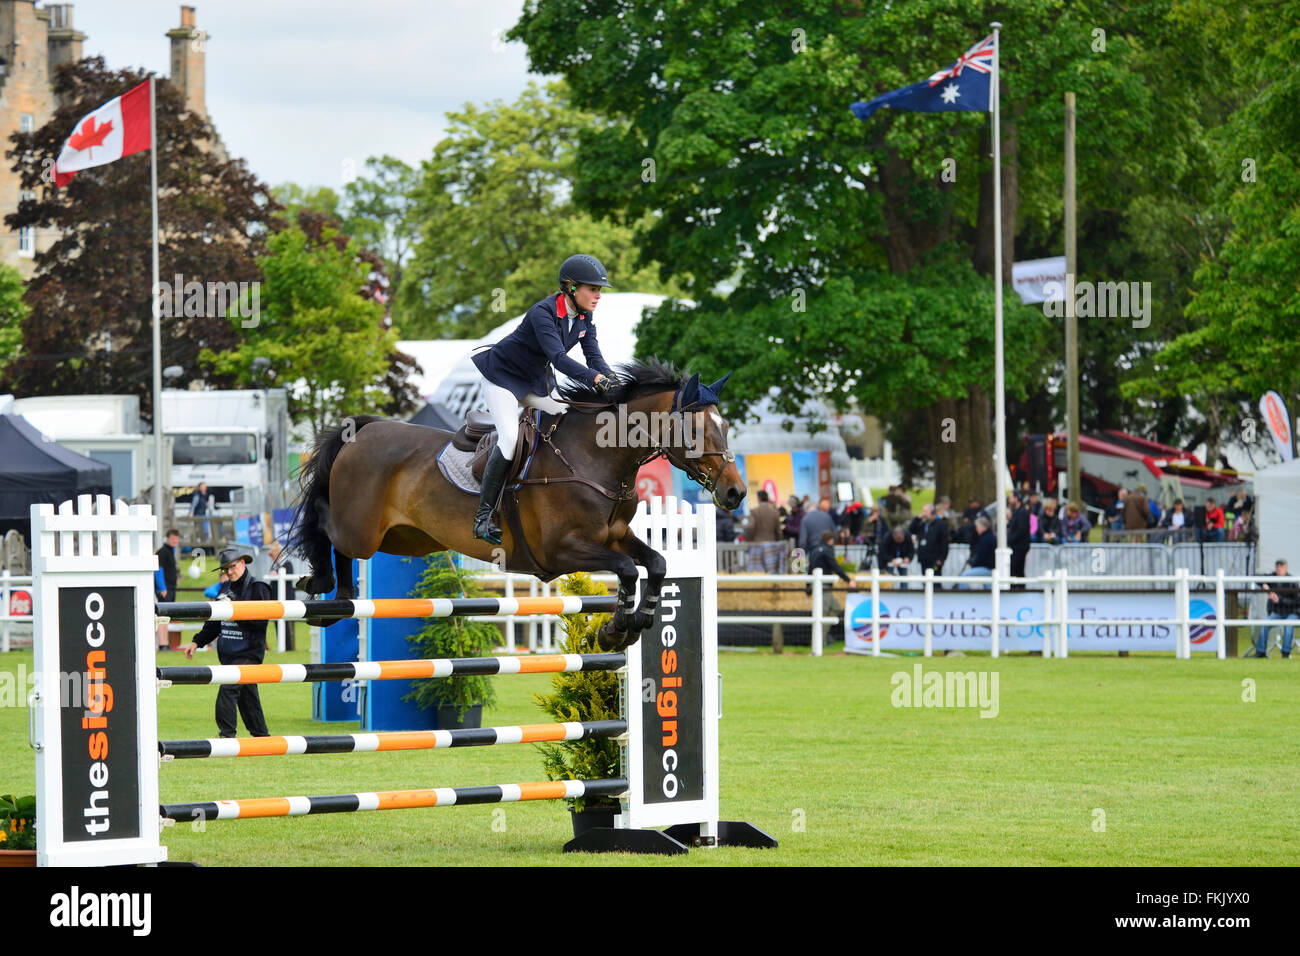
[17, 831]
[581, 696]
[460, 699]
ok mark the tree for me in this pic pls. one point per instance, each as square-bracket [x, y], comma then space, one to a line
[91, 304]
[295, 198]
[320, 333]
[12, 312]
[381, 213]
[496, 219]
[767, 183]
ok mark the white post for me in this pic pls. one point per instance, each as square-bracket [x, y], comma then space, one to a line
[510, 621]
[875, 611]
[279, 624]
[532, 620]
[1049, 595]
[1183, 643]
[995, 611]
[158, 469]
[93, 621]
[4, 611]
[929, 611]
[1004, 555]
[1063, 608]
[817, 612]
[1220, 612]
[548, 641]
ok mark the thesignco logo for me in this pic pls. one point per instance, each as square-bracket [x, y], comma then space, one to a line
[1203, 618]
[946, 689]
[860, 622]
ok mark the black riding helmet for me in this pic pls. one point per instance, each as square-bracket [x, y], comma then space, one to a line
[582, 269]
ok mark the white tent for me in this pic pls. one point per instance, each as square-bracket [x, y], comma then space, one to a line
[1277, 491]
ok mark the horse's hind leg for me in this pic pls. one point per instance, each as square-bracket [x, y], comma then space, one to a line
[321, 579]
[343, 572]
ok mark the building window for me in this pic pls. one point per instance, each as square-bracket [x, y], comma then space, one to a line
[28, 123]
[26, 235]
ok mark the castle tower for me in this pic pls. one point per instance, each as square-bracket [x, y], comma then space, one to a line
[189, 45]
[64, 41]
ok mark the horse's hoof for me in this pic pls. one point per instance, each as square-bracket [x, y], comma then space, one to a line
[610, 639]
[632, 638]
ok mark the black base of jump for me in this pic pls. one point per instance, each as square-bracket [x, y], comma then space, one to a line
[673, 841]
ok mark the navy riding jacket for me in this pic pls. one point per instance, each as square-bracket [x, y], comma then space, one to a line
[521, 362]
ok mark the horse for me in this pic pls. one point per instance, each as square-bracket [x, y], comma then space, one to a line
[374, 485]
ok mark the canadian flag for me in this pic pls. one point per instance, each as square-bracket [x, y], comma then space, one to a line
[118, 128]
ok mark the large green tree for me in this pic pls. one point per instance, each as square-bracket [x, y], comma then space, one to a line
[496, 219]
[382, 213]
[319, 332]
[12, 312]
[91, 297]
[769, 195]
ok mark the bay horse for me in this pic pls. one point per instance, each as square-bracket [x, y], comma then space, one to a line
[375, 485]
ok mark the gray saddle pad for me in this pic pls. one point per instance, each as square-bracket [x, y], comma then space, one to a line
[454, 465]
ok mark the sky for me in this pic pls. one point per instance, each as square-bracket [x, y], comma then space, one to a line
[306, 90]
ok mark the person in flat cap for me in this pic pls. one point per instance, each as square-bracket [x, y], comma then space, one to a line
[238, 642]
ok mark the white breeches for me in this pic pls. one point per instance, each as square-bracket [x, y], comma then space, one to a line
[504, 409]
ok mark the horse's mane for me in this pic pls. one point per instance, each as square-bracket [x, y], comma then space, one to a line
[637, 378]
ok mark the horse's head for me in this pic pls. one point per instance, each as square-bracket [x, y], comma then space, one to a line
[703, 452]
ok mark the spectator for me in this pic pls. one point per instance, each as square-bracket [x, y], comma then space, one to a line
[1283, 605]
[973, 511]
[1076, 526]
[1034, 503]
[763, 532]
[1115, 513]
[167, 570]
[855, 517]
[895, 555]
[983, 550]
[238, 642]
[1243, 527]
[1136, 512]
[793, 518]
[290, 594]
[200, 502]
[724, 526]
[965, 531]
[1049, 524]
[814, 523]
[943, 510]
[1240, 502]
[1175, 517]
[1018, 537]
[932, 541]
[1214, 521]
[1153, 521]
[822, 556]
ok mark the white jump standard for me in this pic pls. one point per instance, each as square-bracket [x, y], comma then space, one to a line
[94, 713]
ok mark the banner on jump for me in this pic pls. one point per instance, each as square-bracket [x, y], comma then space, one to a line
[899, 611]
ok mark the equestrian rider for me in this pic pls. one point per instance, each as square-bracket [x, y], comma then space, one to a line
[518, 370]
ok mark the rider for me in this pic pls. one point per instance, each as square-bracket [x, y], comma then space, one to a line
[518, 370]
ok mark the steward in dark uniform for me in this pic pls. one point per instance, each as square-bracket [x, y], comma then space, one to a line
[518, 370]
[238, 642]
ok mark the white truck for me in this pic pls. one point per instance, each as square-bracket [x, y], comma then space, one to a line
[237, 441]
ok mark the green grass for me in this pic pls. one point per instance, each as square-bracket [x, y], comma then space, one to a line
[814, 752]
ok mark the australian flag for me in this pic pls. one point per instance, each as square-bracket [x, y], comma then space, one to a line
[962, 86]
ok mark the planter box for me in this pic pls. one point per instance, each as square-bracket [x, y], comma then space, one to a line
[17, 858]
[448, 720]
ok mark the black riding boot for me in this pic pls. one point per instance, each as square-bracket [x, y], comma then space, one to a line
[494, 476]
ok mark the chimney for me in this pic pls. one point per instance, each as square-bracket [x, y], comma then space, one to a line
[189, 45]
[63, 41]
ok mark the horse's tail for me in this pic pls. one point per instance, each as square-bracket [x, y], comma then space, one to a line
[309, 534]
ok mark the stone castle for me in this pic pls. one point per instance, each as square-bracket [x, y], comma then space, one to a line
[34, 42]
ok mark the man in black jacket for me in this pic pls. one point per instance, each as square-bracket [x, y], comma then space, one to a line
[167, 564]
[1283, 605]
[238, 642]
[932, 541]
[822, 556]
[1018, 538]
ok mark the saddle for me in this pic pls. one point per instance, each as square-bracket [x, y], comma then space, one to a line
[479, 435]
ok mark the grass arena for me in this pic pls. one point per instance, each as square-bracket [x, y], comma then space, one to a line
[1087, 760]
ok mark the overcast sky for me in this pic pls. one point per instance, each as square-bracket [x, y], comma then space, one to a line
[300, 87]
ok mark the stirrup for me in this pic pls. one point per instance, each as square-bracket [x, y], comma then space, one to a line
[485, 528]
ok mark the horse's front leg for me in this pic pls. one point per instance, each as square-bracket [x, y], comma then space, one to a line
[586, 556]
[656, 567]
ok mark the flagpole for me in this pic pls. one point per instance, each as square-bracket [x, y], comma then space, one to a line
[1000, 458]
[158, 469]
